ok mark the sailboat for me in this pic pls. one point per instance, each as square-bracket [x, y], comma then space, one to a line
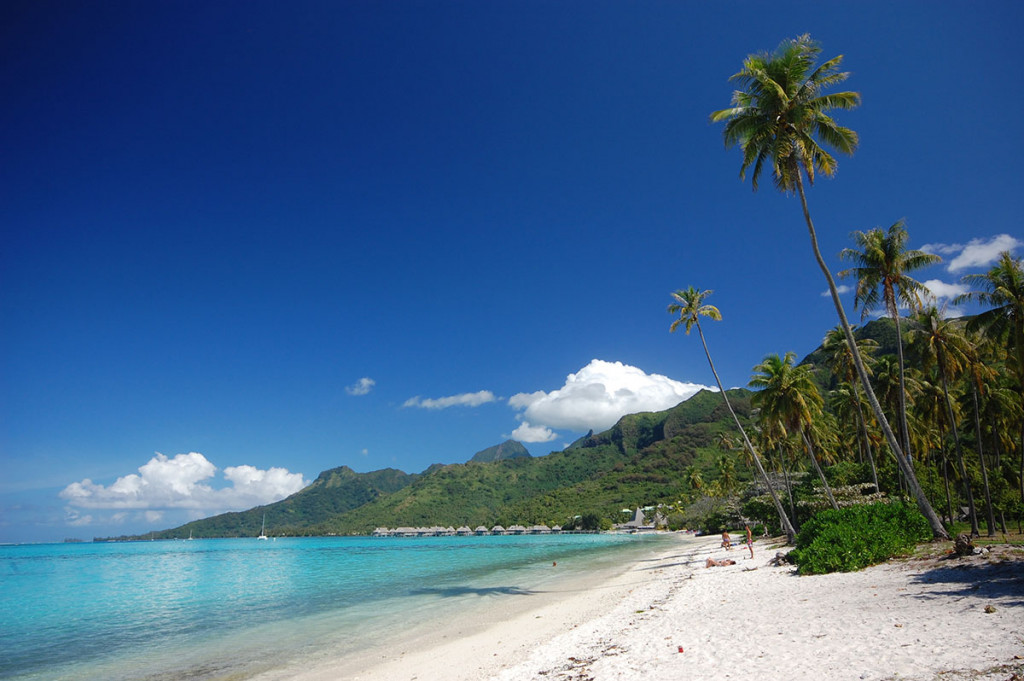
[263, 530]
[190, 535]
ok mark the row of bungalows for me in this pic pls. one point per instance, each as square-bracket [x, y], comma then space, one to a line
[464, 531]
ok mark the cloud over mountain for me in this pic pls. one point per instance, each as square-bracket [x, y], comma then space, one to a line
[182, 482]
[595, 397]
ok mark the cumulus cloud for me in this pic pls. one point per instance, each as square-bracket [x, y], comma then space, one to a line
[462, 400]
[940, 290]
[361, 387]
[181, 482]
[979, 253]
[527, 433]
[597, 396]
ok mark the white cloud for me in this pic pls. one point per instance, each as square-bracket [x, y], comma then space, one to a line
[978, 253]
[943, 291]
[463, 400]
[842, 288]
[361, 387]
[942, 249]
[179, 482]
[598, 395]
[527, 433]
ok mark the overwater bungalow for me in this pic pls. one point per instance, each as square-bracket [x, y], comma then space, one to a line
[539, 529]
[481, 531]
[498, 529]
[463, 531]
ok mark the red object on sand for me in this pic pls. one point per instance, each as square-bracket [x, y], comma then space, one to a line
[680, 649]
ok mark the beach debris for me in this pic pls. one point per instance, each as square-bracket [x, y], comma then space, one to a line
[780, 559]
[990, 609]
[680, 649]
[963, 545]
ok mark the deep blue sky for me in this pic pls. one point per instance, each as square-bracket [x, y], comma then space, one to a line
[219, 217]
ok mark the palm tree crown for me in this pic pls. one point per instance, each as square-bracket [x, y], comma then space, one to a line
[787, 392]
[689, 306]
[882, 263]
[780, 114]
[1004, 291]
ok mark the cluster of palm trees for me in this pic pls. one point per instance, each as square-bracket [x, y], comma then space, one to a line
[780, 120]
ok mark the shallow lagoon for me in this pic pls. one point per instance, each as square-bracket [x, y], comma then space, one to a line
[220, 608]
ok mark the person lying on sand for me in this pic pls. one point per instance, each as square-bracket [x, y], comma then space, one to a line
[718, 563]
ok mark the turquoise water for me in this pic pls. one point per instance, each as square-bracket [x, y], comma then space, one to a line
[213, 609]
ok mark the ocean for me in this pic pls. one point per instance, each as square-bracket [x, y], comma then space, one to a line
[238, 608]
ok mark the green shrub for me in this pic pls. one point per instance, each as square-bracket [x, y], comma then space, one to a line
[857, 536]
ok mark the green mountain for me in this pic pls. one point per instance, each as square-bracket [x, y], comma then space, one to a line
[638, 462]
[334, 492]
[509, 449]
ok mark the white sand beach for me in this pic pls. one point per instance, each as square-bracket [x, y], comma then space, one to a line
[670, 617]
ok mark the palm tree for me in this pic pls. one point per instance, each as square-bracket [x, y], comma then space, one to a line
[726, 475]
[882, 263]
[839, 360]
[789, 398]
[781, 117]
[939, 342]
[694, 478]
[690, 307]
[933, 420]
[1003, 288]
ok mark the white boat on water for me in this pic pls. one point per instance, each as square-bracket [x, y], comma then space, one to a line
[190, 535]
[263, 530]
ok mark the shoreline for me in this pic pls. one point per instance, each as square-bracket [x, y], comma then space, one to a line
[492, 627]
[917, 620]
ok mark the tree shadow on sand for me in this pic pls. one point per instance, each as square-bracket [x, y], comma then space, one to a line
[456, 591]
[1003, 579]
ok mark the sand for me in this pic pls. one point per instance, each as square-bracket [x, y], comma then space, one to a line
[670, 617]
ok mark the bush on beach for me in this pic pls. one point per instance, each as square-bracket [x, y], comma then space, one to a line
[855, 537]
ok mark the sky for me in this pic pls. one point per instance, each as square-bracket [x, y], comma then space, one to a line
[246, 242]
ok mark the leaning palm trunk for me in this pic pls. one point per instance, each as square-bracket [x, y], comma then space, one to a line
[787, 527]
[817, 468]
[905, 465]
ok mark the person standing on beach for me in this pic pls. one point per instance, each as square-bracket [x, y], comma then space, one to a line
[750, 540]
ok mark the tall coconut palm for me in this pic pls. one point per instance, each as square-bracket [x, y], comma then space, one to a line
[882, 262]
[980, 378]
[780, 118]
[1003, 289]
[694, 479]
[789, 399]
[839, 360]
[940, 343]
[690, 307]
